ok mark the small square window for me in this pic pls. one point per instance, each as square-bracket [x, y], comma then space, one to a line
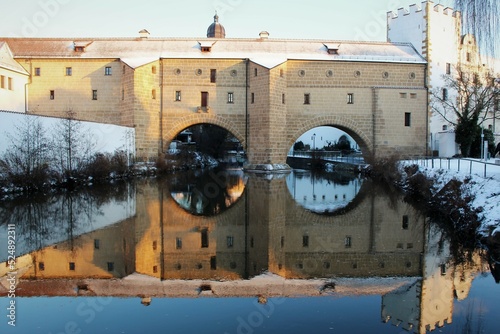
[178, 95]
[94, 94]
[107, 70]
[69, 71]
[348, 242]
[350, 98]
[72, 266]
[37, 71]
[407, 119]
[111, 266]
[52, 95]
[230, 97]
[307, 98]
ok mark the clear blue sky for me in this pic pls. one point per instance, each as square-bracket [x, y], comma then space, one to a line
[308, 19]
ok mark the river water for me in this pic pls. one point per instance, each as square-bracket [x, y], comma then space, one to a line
[220, 251]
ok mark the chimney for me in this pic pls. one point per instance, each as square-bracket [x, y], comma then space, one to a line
[143, 34]
[264, 35]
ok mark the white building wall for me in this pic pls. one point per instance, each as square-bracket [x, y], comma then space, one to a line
[434, 31]
[12, 98]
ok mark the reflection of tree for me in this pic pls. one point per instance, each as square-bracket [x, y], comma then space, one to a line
[40, 219]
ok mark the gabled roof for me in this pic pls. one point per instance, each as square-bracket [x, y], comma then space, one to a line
[269, 52]
[7, 60]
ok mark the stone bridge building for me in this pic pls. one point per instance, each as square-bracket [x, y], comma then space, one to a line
[266, 92]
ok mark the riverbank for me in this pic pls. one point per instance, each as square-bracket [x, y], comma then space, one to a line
[480, 194]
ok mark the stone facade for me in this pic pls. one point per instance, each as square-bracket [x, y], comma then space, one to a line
[267, 93]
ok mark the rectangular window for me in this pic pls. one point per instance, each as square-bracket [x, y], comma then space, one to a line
[123, 94]
[213, 263]
[71, 266]
[52, 95]
[204, 99]
[155, 269]
[94, 94]
[155, 245]
[468, 56]
[230, 97]
[2, 81]
[10, 83]
[282, 98]
[251, 242]
[348, 242]
[307, 98]
[204, 238]
[282, 242]
[445, 94]
[153, 94]
[153, 69]
[407, 119]
[448, 68]
[69, 71]
[413, 95]
[107, 70]
[178, 243]
[252, 98]
[305, 241]
[402, 95]
[97, 243]
[178, 95]
[41, 266]
[111, 266]
[37, 71]
[213, 75]
[255, 71]
[230, 241]
[350, 98]
[405, 222]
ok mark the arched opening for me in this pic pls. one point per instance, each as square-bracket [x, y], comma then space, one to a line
[210, 158]
[325, 160]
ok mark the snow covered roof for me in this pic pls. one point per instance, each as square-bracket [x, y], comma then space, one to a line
[267, 52]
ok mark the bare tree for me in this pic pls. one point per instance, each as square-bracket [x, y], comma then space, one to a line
[26, 161]
[472, 100]
[74, 146]
[481, 18]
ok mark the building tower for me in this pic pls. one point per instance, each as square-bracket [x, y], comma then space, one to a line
[216, 30]
[435, 32]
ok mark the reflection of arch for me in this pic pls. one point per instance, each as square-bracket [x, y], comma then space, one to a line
[342, 123]
[185, 122]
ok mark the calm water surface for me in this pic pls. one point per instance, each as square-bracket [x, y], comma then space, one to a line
[224, 252]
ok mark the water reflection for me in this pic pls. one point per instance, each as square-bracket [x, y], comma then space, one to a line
[321, 192]
[207, 192]
[261, 242]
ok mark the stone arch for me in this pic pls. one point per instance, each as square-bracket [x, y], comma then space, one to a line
[342, 123]
[185, 122]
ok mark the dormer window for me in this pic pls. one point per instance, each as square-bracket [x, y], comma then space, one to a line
[80, 46]
[332, 49]
[206, 46]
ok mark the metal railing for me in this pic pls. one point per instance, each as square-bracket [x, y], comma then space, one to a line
[471, 166]
[334, 156]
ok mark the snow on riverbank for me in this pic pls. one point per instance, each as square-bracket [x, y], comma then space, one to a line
[485, 191]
